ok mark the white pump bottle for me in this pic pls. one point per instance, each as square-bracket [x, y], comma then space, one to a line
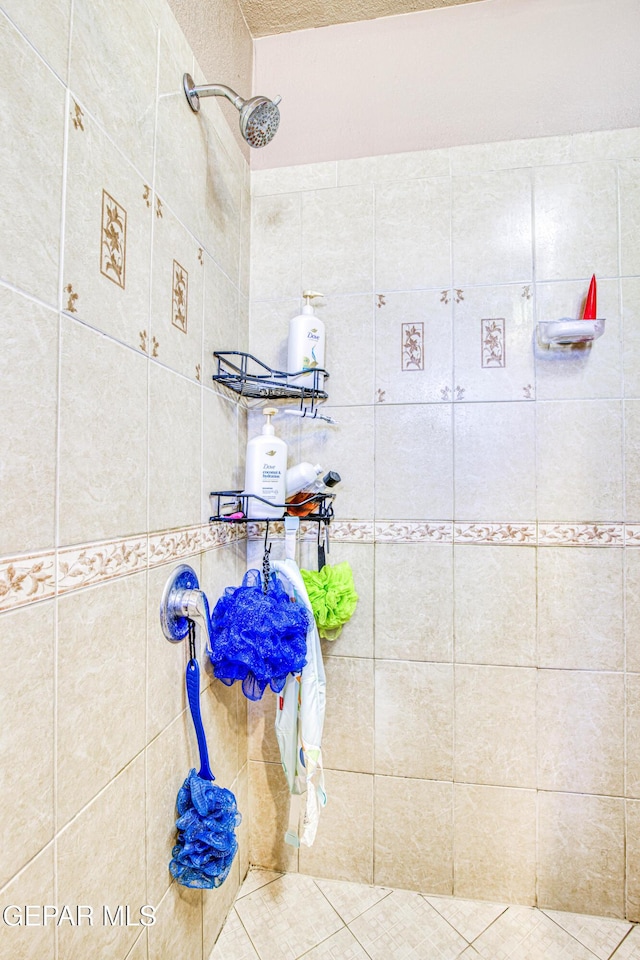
[306, 344]
[265, 472]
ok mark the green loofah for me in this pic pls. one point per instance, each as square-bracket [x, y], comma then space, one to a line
[333, 597]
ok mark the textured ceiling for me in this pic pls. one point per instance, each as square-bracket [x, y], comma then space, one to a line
[266, 17]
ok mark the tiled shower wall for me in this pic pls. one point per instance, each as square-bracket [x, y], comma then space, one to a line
[483, 715]
[123, 264]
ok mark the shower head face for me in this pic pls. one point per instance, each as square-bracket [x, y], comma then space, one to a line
[259, 120]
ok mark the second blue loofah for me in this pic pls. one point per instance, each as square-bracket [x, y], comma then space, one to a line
[258, 636]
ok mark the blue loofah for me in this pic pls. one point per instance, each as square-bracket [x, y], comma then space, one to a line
[257, 637]
[207, 818]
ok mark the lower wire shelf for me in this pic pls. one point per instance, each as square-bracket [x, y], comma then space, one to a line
[234, 506]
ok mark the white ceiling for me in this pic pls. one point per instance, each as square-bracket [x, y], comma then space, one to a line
[266, 17]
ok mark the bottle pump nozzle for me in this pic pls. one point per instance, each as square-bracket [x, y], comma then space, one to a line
[268, 426]
[308, 296]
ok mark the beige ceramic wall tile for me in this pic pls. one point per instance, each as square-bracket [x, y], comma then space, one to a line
[495, 725]
[493, 328]
[588, 370]
[413, 834]
[47, 30]
[413, 234]
[356, 638]
[218, 704]
[178, 929]
[606, 144]
[414, 462]
[181, 145]
[630, 311]
[581, 854]
[244, 280]
[632, 608]
[174, 450]
[176, 323]
[262, 743]
[494, 843]
[347, 742]
[105, 691]
[481, 157]
[495, 604]
[269, 330]
[632, 865]
[494, 461]
[569, 243]
[32, 205]
[337, 240]
[414, 358]
[168, 761]
[343, 848]
[222, 461]
[629, 189]
[100, 861]
[33, 885]
[346, 447]
[583, 628]
[579, 460]
[414, 719]
[26, 682]
[176, 56]
[276, 226]
[349, 349]
[632, 458]
[223, 199]
[103, 458]
[307, 176]
[491, 231]
[633, 736]
[109, 213]
[396, 166]
[221, 320]
[269, 817]
[216, 905]
[240, 789]
[581, 731]
[117, 83]
[414, 601]
[28, 427]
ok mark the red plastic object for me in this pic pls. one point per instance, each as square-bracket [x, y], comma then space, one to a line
[590, 308]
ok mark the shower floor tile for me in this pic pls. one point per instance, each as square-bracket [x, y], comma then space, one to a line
[292, 916]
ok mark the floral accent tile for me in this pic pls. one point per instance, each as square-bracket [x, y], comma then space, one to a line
[444, 296]
[144, 341]
[159, 210]
[632, 535]
[352, 531]
[413, 346]
[460, 391]
[398, 532]
[174, 544]
[517, 533]
[146, 195]
[381, 396]
[155, 347]
[95, 562]
[445, 393]
[77, 116]
[25, 579]
[72, 298]
[493, 343]
[528, 392]
[381, 300]
[581, 534]
[180, 297]
[113, 247]
[526, 292]
[459, 296]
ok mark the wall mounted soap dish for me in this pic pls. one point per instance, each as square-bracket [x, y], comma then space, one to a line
[566, 331]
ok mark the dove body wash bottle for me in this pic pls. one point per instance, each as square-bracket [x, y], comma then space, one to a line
[306, 345]
[266, 472]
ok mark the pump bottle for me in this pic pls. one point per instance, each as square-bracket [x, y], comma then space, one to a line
[306, 345]
[265, 472]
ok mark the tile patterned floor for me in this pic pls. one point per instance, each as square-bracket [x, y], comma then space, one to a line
[291, 916]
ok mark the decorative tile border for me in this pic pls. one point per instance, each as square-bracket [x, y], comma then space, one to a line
[397, 531]
[581, 534]
[82, 566]
[27, 579]
[40, 576]
[503, 533]
[113, 242]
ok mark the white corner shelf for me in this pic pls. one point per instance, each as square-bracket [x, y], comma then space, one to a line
[567, 331]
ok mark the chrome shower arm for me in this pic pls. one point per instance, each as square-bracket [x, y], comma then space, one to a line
[194, 93]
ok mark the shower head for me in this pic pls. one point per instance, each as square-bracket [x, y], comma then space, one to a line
[259, 116]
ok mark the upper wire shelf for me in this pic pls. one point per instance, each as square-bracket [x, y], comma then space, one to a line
[249, 377]
[233, 506]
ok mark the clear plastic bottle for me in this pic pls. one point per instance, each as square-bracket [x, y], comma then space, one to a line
[307, 501]
[301, 476]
